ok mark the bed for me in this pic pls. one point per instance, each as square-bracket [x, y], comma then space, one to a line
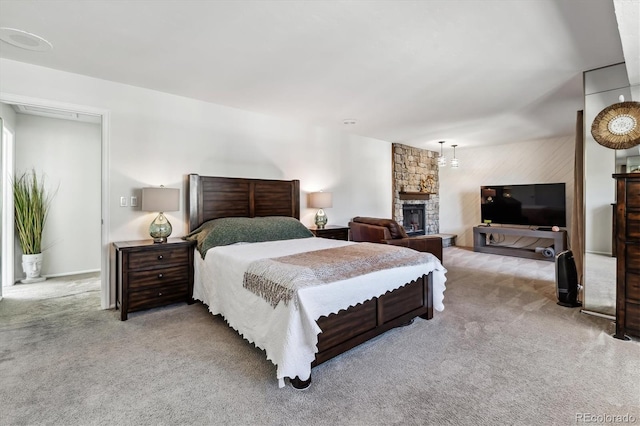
[304, 324]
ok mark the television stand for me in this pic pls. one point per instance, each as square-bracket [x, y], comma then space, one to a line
[480, 234]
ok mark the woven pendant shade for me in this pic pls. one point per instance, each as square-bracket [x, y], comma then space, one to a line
[618, 126]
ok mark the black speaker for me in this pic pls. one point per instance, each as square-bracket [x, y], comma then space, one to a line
[567, 280]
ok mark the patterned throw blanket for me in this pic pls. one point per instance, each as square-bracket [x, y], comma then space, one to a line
[279, 278]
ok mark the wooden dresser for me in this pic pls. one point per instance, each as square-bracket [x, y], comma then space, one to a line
[151, 274]
[628, 255]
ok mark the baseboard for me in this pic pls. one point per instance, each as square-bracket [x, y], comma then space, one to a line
[598, 314]
[68, 274]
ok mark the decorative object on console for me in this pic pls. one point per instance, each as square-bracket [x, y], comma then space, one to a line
[160, 200]
[454, 161]
[618, 125]
[320, 200]
[442, 160]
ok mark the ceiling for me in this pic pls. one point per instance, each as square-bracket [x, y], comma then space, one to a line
[416, 72]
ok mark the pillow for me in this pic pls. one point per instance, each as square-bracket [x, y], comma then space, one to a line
[231, 230]
[394, 227]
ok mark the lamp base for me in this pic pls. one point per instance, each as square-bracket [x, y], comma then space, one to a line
[160, 229]
[321, 219]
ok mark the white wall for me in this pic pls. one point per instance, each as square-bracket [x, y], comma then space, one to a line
[541, 161]
[67, 154]
[157, 138]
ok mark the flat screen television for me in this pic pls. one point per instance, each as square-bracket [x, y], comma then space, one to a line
[540, 204]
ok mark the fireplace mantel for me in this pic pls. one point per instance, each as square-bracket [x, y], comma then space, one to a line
[415, 195]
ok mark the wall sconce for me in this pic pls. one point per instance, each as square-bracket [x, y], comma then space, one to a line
[320, 200]
[160, 200]
[454, 160]
[442, 161]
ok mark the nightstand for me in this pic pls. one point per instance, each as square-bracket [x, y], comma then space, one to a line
[151, 274]
[333, 232]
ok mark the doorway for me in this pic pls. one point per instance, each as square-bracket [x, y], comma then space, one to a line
[56, 109]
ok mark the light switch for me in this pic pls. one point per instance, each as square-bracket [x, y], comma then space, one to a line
[134, 201]
[123, 201]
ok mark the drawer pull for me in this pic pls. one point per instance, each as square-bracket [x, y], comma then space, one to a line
[160, 257]
[160, 275]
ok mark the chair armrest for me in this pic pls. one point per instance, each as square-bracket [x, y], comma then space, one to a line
[363, 232]
[426, 243]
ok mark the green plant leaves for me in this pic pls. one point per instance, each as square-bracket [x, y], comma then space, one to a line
[31, 207]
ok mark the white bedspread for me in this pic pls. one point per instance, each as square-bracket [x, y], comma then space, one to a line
[287, 334]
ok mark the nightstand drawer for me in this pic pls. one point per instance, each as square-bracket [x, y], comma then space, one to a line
[158, 277]
[157, 296]
[332, 232]
[158, 258]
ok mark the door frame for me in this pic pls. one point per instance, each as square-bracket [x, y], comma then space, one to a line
[105, 293]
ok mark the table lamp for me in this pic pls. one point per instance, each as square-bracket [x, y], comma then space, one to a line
[160, 200]
[320, 200]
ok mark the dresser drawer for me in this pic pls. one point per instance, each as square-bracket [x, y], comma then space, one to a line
[633, 286]
[633, 194]
[633, 257]
[633, 319]
[633, 226]
[152, 297]
[150, 259]
[158, 277]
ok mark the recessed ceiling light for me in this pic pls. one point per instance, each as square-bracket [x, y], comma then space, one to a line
[349, 121]
[24, 40]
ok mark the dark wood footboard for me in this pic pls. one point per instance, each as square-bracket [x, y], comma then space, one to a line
[356, 325]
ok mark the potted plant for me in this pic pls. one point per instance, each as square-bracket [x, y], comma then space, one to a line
[31, 207]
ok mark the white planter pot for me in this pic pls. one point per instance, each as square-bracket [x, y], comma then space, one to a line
[31, 265]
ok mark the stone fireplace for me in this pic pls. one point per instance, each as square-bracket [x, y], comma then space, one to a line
[410, 166]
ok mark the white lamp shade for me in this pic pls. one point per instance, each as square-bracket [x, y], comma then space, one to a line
[320, 200]
[160, 199]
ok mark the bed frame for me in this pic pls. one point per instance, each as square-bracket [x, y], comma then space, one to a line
[215, 197]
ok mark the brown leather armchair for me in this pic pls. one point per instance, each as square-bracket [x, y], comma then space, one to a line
[388, 231]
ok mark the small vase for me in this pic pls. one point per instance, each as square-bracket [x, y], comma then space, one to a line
[31, 265]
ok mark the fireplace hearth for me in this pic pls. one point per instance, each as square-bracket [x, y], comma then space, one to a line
[413, 219]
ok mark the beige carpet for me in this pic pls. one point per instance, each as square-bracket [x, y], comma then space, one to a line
[502, 352]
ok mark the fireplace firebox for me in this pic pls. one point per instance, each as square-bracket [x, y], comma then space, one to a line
[413, 219]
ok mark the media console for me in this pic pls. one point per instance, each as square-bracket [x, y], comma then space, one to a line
[481, 235]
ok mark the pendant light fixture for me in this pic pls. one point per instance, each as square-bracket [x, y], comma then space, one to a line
[442, 161]
[454, 160]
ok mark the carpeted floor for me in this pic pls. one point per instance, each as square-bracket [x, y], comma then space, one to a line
[502, 352]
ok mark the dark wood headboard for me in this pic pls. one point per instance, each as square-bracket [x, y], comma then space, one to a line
[212, 197]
